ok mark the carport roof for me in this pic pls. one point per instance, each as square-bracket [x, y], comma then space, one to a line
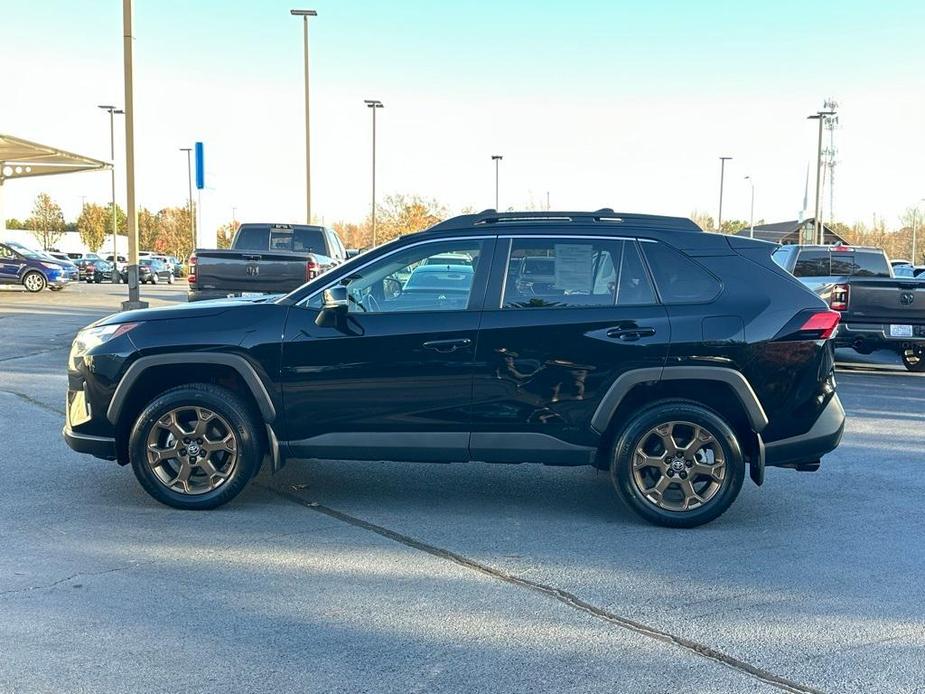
[21, 159]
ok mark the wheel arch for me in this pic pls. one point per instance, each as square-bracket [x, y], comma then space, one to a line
[725, 391]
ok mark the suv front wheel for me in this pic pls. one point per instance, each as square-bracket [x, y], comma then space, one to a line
[677, 464]
[195, 446]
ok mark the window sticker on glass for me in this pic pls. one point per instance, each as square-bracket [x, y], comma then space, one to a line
[573, 267]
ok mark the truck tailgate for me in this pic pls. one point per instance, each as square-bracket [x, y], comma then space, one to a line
[249, 271]
[882, 300]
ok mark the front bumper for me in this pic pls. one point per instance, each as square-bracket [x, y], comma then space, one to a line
[97, 446]
[806, 449]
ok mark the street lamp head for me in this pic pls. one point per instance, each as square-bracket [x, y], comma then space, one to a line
[725, 158]
[495, 157]
[373, 103]
[186, 149]
[303, 13]
[107, 108]
[820, 114]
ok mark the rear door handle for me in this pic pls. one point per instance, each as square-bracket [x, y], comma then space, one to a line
[630, 334]
[447, 345]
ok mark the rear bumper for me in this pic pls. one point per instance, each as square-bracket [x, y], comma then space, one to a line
[98, 446]
[868, 337]
[806, 449]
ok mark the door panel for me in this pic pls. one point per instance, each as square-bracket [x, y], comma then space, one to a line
[392, 379]
[545, 361]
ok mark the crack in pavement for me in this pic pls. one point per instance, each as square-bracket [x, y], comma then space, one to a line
[563, 596]
[79, 574]
[32, 401]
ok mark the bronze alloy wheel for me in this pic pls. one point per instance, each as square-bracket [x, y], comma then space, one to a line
[192, 450]
[678, 466]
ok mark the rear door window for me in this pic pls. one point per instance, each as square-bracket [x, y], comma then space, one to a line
[253, 239]
[573, 272]
[679, 279]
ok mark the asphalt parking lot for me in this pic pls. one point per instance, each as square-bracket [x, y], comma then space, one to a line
[376, 577]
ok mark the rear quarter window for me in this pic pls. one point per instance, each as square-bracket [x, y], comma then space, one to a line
[679, 279]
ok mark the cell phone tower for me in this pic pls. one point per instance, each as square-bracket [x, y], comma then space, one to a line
[829, 161]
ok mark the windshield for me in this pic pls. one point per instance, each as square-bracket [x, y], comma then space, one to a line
[28, 252]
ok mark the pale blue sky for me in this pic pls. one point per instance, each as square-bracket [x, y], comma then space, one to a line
[625, 104]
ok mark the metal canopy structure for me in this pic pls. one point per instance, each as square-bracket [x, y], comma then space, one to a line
[24, 159]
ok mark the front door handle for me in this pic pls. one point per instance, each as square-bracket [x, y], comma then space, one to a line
[630, 334]
[447, 346]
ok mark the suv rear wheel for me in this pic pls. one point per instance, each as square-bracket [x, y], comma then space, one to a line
[195, 446]
[677, 464]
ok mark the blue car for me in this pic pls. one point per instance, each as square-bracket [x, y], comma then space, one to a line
[34, 270]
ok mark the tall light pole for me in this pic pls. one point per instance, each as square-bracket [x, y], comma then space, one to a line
[819, 116]
[374, 105]
[751, 214]
[131, 212]
[305, 14]
[497, 159]
[722, 178]
[915, 219]
[112, 153]
[189, 175]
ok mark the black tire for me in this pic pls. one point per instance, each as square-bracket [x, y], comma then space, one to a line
[637, 433]
[170, 278]
[223, 402]
[914, 360]
[34, 281]
[98, 278]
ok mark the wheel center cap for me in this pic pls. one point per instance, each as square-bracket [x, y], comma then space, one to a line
[193, 449]
[677, 465]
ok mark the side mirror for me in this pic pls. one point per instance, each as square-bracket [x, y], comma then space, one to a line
[335, 299]
[333, 308]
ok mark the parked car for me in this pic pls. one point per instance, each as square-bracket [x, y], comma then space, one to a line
[676, 359]
[879, 310]
[33, 269]
[121, 264]
[264, 259]
[908, 270]
[152, 271]
[94, 270]
[74, 257]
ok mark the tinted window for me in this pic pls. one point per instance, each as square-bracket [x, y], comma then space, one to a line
[679, 279]
[812, 264]
[6, 253]
[302, 239]
[871, 265]
[253, 239]
[565, 272]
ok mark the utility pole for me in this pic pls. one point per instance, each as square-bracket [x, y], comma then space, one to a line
[722, 175]
[189, 175]
[305, 14]
[112, 153]
[128, 39]
[497, 159]
[751, 214]
[819, 116]
[374, 105]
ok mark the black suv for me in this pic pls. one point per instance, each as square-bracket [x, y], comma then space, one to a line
[637, 344]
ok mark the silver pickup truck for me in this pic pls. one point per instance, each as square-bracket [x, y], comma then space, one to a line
[878, 310]
[264, 259]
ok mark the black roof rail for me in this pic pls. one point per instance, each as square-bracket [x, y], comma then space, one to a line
[605, 215]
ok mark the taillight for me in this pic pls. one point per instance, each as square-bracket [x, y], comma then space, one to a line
[311, 269]
[821, 325]
[191, 276]
[838, 299]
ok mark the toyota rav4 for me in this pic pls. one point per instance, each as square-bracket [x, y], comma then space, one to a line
[675, 359]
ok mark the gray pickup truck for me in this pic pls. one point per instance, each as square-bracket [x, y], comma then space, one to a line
[264, 259]
[878, 310]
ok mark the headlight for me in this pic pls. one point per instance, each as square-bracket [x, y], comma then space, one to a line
[88, 338]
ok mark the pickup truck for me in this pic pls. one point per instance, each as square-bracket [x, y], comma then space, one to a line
[264, 259]
[879, 310]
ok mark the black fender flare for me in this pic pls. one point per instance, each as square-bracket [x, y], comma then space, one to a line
[630, 379]
[244, 368]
